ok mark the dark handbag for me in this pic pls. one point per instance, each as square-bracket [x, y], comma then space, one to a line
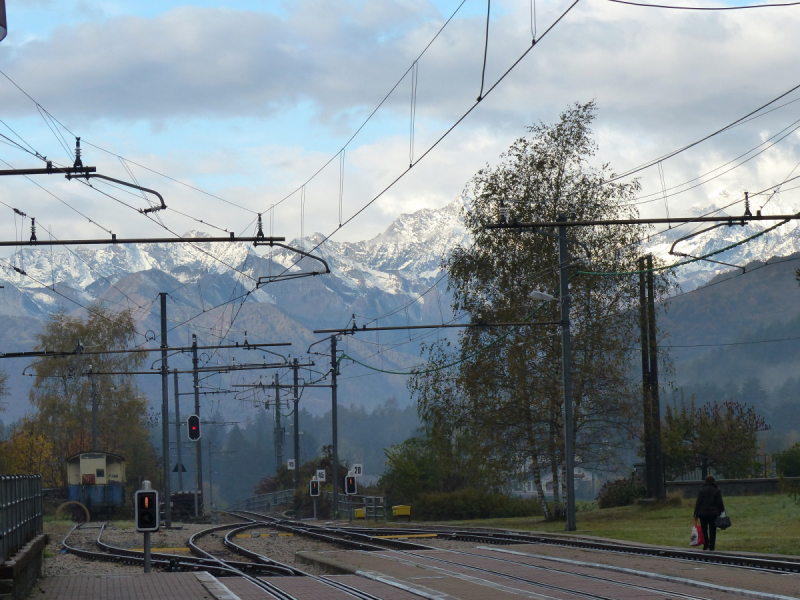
[723, 521]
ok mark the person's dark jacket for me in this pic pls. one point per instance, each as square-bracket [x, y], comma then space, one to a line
[709, 501]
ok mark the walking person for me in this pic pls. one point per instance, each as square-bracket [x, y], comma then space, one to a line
[707, 508]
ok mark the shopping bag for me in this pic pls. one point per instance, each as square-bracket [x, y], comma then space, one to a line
[723, 521]
[696, 538]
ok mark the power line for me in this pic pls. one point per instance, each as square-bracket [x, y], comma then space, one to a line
[445, 134]
[372, 114]
[708, 8]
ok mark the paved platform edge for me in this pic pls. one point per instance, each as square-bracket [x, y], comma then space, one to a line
[216, 588]
[650, 575]
[329, 565]
[423, 592]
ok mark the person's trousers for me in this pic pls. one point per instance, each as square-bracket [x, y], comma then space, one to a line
[709, 532]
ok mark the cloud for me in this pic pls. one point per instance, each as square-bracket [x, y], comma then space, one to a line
[661, 80]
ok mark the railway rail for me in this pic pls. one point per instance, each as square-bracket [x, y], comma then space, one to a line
[364, 538]
[464, 560]
[464, 564]
[203, 560]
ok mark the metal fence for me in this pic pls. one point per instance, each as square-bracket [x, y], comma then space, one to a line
[374, 507]
[265, 502]
[20, 512]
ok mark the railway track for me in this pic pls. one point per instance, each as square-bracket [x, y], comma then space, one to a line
[765, 563]
[363, 538]
[505, 572]
[204, 560]
[464, 562]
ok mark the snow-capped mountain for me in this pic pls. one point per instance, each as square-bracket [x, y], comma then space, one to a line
[392, 267]
[397, 262]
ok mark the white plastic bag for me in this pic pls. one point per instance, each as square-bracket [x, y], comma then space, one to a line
[696, 538]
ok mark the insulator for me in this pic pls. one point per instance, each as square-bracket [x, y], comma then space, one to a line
[33, 229]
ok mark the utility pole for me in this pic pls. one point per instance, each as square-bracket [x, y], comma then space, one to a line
[335, 428]
[198, 449]
[165, 412]
[647, 411]
[178, 440]
[569, 451]
[655, 407]
[296, 427]
[94, 409]
[279, 432]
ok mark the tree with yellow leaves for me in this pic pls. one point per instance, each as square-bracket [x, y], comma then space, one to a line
[62, 397]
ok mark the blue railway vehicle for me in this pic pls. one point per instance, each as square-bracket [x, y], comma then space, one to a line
[97, 481]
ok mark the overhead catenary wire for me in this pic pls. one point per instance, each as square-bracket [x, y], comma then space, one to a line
[485, 48]
[704, 8]
[438, 140]
[372, 114]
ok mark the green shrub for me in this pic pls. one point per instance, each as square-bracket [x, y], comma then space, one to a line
[620, 492]
[471, 504]
[788, 462]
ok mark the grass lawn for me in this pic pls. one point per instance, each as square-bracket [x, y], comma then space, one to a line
[768, 523]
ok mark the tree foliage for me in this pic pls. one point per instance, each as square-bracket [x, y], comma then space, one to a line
[62, 399]
[718, 435]
[788, 462]
[506, 388]
[27, 452]
[437, 461]
[3, 389]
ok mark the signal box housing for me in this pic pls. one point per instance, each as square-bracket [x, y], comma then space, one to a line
[193, 425]
[145, 503]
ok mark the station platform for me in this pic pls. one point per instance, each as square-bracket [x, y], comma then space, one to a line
[480, 572]
[202, 586]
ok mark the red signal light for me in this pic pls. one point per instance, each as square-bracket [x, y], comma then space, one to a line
[193, 423]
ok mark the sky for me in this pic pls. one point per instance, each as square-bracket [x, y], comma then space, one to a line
[241, 102]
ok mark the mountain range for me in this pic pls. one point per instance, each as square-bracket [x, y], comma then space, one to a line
[211, 291]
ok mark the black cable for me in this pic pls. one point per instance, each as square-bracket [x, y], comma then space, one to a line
[704, 8]
[485, 47]
[369, 117]
[701, 140]
[654, 195]
[443, 136]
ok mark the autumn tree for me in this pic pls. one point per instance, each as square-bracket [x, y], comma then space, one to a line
[61, 392]
[505, 385]
[27, 452]
[718, 435]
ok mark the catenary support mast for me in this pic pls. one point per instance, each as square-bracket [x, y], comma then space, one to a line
[165, 412]
[566, 358]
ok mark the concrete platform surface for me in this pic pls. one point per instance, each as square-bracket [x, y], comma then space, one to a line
[488, 573]
[154, 586]
[786, 584]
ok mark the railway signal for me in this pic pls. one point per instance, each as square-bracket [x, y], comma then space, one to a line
[193, 423]
[145, 506]
[350, 487]
[313, 491]
[146, 510]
